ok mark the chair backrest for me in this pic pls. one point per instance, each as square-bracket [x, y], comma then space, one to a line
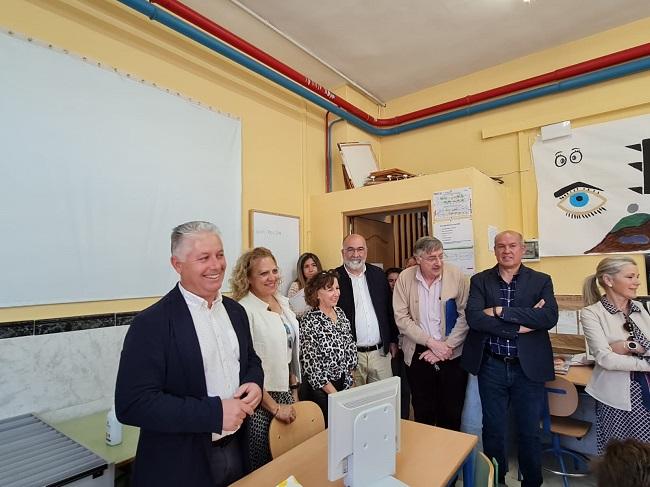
[484, 472]
[562, 397]
[309, 421]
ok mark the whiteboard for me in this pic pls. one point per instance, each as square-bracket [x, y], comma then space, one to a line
[96, 170]
[359, 161]
[281, 235]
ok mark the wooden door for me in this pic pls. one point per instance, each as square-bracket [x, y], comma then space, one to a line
[379, 236]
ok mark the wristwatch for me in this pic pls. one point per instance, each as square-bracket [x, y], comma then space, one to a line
[632, 346]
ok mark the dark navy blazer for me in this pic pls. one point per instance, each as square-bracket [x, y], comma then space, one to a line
[535, 354]
[382, 302]
[161, 388]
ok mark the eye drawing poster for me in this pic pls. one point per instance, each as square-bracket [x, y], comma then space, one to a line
[594, 189]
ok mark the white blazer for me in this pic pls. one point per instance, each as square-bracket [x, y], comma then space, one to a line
[270, 340]
[610, 382]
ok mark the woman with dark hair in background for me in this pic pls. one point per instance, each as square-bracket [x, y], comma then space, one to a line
[329, 352]
[618, 332]
[307, 267]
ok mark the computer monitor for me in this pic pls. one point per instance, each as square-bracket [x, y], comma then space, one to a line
[364, 434]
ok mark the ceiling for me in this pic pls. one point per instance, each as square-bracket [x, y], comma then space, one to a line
[396, 47]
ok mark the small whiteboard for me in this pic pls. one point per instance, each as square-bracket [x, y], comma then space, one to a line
[281, 235]
[359, 161]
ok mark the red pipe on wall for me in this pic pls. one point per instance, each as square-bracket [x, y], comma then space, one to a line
[237, 42]
[198, 20]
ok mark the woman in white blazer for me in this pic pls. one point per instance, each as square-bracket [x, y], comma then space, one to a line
[618, 335]
[276, 339]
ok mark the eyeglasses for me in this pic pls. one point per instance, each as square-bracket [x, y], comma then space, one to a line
[330, 272]
[354, 250]
[628, 326]
[433, 258]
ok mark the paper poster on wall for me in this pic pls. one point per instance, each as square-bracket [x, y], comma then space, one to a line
[594, 189]
[492, 232]
[456, 234]
[453, 203]
[462, 258]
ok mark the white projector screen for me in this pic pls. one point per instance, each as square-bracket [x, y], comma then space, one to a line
[95, 171]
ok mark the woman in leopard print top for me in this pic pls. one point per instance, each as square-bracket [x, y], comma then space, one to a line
[328, 351]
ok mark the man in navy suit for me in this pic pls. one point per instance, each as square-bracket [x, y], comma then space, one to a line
[188, 375]
[509, 312]
[366, 300]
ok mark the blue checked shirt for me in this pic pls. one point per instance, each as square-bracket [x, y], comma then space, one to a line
[499, 345]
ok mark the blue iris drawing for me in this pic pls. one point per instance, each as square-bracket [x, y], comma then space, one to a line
[580, 200]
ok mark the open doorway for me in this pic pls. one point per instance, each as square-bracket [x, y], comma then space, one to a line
[391, 232]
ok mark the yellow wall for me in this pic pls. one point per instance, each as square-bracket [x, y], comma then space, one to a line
[498, 142]
[330, 210]
[282, 135]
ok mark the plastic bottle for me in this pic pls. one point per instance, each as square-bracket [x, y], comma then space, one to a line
[113, 428]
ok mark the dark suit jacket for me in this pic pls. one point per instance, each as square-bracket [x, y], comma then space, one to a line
[382, 302]
[161, 388]
[535, 355]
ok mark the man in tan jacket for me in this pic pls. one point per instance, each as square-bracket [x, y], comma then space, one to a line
[429, 303]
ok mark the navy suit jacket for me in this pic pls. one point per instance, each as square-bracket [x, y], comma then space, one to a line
[382, 302]
[161, 388]
[535, 354]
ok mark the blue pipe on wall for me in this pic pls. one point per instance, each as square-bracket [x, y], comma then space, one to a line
[182, 27]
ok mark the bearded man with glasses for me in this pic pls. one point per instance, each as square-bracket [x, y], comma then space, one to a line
[366, 302]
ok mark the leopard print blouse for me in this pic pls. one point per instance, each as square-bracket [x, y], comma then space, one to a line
[327, 349]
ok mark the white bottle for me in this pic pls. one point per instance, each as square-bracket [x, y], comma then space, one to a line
[113, 428]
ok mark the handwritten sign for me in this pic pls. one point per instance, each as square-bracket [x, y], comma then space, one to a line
[453, 203]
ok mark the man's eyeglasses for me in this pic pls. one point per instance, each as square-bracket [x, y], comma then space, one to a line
[354, 250]
[433, 258]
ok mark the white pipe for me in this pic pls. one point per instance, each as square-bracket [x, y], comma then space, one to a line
[250, 12]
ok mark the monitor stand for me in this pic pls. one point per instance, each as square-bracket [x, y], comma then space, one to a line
[373, 451]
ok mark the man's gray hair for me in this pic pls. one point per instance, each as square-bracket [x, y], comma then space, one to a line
[188, 229]
[426, 245]
[515, 234]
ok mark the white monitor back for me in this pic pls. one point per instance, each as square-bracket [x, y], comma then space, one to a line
[365, 420]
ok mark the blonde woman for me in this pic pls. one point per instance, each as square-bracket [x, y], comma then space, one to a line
[276, 340]
[618, 334]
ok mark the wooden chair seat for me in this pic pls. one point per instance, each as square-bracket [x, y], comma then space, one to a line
[575, 428]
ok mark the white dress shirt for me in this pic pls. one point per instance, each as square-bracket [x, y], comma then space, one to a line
[219, 346]
[365, 318]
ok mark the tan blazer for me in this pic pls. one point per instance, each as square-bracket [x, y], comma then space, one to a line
[270, 341]
[610, 382]
[406, 305]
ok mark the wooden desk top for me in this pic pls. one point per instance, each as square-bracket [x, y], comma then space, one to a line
[579, 374]
[428, 457]
[90, 431]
